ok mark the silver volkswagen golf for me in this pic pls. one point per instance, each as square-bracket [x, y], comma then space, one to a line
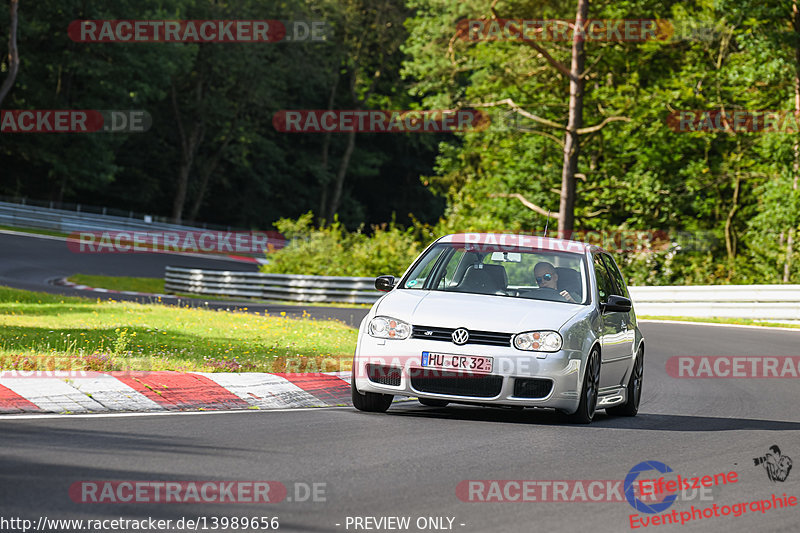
[503, 320]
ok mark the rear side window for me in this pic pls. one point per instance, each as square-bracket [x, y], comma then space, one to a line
[622, 290]
[604, 284]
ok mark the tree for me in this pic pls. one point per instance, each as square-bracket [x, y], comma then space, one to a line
[520, 76]
[367, 37]
[13, 53]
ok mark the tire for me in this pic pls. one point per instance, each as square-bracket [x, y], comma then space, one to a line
[371, 402]
[433, 403]
[631, 406]
[591, 380]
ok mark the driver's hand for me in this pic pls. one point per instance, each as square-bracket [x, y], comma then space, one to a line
[566, 296]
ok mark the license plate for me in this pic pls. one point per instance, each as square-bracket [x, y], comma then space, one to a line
[451, 361]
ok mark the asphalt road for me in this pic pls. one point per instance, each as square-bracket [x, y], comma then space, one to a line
[409, 461]
[33, 263]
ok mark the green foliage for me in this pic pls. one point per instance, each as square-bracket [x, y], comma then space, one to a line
[244, 173]
[636, 173]
[335, 251]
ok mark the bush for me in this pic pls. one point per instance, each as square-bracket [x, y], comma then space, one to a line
[693, 258]
[334, 251]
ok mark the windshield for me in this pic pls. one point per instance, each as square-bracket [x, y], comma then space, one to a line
[523, 273]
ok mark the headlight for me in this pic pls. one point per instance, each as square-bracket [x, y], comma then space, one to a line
[538, 341]
[384, 327]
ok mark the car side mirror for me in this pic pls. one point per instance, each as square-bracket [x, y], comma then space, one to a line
[616, 303]
[384, 283]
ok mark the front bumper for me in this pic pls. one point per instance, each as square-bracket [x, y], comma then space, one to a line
[409, 378]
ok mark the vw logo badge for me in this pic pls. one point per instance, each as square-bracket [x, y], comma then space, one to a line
[460, 336]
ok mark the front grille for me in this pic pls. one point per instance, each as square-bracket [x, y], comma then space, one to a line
[456, 384]
[487, 338]
[384, 375]
[532, 388]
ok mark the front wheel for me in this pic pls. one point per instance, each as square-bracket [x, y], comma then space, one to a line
[631, 406]
[371, 402]
[591, 380]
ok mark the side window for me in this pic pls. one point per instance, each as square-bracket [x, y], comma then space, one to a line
[420, 274]
[604, 284]
[450, 270]
[621, 289]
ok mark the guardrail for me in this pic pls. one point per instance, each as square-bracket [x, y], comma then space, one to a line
[290, 287]
[758, 302]
[33, 216]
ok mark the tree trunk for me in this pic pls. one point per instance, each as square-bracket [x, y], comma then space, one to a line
[205, 176]
[189, 146]
[180, 193]
[341, 174]
[730, 242]
[566, 209]
[338, 185]
[326, 147]
[13, 53]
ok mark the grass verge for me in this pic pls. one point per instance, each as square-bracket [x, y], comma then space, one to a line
[716, 320]
[119, 283]
[40, 331]
[36, 231]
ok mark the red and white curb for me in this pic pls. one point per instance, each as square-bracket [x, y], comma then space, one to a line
[28, 392]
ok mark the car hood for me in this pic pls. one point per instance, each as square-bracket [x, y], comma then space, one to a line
[475, 311]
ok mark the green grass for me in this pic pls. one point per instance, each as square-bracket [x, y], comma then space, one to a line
[40, 331]
[716, 320]
[151, 285]
[156, 286]
[36, 231]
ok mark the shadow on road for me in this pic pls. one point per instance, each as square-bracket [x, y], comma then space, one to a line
[643, 421]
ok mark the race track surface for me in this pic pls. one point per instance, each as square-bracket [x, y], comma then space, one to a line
[410, 461]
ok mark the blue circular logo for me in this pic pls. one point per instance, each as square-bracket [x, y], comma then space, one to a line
[630, 481]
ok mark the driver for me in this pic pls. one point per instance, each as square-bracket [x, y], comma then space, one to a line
[547, 277]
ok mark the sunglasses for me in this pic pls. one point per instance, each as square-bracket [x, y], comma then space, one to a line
[546, 277]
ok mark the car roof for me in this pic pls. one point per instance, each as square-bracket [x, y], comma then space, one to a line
[518, 240]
